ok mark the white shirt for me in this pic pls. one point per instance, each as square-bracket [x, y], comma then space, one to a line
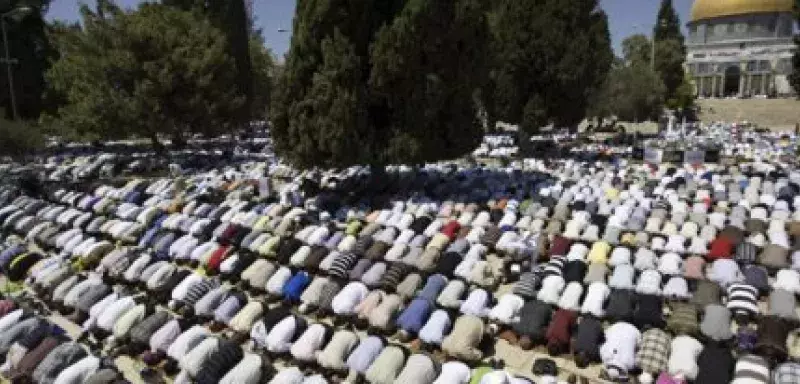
[434, 330]
[98, 308]
[724, 272]
[670, 264]
[186, 341]
[787, 279]
[10, 319]
[309, 343]
[193, 361]
[578, 251]
[683, 358]
[649, 282]
[622, 277]
[278, 280]
[291, 375]
[677, 287]
[454, 372]
[595, 299]
[619, 256]
[279, 339]
[164, 336]
[79, 371]
[113, 312]
[475, 304]
[551, 289]
[507, 309]
[247, 371]
[348, 298]
[571, 297]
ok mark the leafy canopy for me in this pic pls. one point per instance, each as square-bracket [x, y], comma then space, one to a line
[378, 82]
[550, 56]
[155, 70]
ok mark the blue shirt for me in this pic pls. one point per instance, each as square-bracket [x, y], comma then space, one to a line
[433, 287]
[295, 286]
[365, 353]
[414, 317]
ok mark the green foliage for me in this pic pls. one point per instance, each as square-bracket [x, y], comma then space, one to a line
[263, 67]
[550, 56]
[421, 80]
[19, 138]
[155, 70]
[684, 95]
[668, 24]
[230, 17]
[637, 50]
[670, 48]
[669, 64]
[29, 45]
[631, 93]
[377, 82]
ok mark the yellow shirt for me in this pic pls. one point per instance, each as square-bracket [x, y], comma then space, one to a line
[261, 223]
[628, 238]
[612, 193]
[269, 246]
[599, 252]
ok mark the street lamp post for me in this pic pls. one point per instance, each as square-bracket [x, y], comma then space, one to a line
[22, 11]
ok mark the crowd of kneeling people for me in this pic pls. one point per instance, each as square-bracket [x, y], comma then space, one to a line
[657, 273]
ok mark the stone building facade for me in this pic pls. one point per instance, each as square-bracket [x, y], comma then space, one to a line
[741, 48]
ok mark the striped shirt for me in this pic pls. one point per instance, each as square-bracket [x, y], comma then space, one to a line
[526, 286]
[394, 275]
[199, 289]
[555, 266]
[751, 369]
[746, 253]
[742, 298]
[343, 264]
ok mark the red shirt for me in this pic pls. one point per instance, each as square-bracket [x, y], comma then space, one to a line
[560, 246]
[217, 257]
[720, 248]
[451, 229]
[560, 328]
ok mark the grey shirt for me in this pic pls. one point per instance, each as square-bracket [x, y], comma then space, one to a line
[365, 353]
[716, 323]
[782, 304]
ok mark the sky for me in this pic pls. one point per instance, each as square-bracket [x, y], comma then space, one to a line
[626, 17]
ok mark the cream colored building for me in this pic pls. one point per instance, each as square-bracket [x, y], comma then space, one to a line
[741, 48]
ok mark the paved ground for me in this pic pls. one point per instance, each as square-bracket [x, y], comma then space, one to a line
[778, 114]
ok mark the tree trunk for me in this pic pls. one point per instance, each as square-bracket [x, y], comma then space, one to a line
[178, 142]
[157, 146]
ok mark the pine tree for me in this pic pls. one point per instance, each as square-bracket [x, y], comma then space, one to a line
[378, 82]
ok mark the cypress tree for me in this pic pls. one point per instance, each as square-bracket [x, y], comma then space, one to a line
[378, 82]
[30, 45]
[794, 78]
[670, 49]
[668, 24]
[550, 56]
[230, 16]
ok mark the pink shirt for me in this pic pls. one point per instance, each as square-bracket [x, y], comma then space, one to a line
[665, 378]
[693, 267]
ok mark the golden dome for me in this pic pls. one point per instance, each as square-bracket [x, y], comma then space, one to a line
[709, 9]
